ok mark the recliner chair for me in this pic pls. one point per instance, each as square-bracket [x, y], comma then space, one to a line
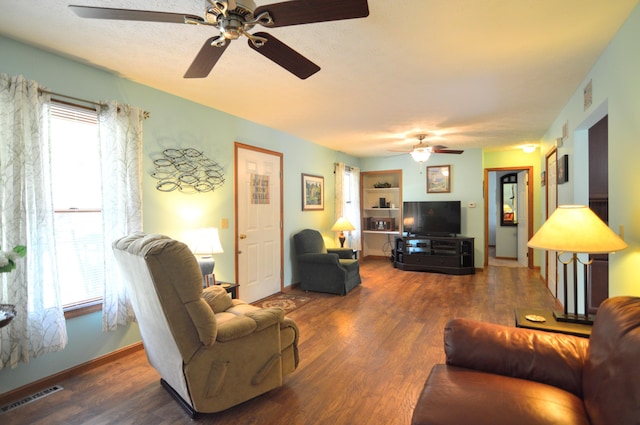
[211, 352]
[334, 270]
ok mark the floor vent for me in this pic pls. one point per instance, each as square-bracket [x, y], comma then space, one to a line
[29, 399]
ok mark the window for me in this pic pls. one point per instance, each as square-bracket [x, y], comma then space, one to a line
[77, 201]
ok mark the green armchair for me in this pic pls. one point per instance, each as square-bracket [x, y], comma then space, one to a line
[334, 271]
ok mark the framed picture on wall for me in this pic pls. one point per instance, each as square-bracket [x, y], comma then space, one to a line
[563, 169]
[439, 179]
[312, 193]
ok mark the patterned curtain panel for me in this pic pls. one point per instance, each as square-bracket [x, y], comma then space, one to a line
[26, 218]
[120, 132]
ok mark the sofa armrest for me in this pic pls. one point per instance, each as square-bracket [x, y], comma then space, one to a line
[343, 253]
[550, 358]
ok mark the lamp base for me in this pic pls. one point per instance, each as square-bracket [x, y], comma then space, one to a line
[342, 239]
[207, 265]
[585, 319]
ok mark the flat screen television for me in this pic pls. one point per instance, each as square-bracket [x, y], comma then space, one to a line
[431, 218]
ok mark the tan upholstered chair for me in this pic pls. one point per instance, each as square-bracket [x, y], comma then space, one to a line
[211, 352]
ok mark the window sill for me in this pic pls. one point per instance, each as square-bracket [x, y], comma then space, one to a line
[80, 309]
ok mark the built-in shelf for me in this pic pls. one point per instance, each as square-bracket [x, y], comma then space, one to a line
[381, 224]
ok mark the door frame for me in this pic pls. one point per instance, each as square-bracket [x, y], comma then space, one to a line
[236, 147]
[529, 210]
[547, 212]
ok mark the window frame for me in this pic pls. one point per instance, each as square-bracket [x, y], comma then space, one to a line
[94, 304]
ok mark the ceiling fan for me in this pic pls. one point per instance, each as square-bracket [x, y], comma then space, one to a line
[235, 18]
[422, 151]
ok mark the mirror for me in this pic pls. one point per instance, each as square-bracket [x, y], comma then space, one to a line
[509, 197]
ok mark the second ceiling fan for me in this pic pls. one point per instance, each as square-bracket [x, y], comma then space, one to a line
[422, 151]
[235, 18]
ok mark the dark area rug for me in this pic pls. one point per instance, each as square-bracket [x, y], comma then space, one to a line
[287, 302]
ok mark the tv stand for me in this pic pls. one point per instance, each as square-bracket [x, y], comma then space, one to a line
[443, 254]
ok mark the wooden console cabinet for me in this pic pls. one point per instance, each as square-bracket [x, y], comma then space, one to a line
[451, 255]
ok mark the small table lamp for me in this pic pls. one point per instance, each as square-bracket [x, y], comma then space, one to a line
[576, 229]
[342, 225]
[204, 243]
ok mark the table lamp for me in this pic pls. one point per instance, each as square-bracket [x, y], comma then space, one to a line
[575, 229]
[204, 243]
[342, 225]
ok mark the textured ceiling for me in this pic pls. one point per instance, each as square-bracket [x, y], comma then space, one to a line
[472, 74]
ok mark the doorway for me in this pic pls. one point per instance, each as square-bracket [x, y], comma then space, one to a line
[508, 223]
[258, 217]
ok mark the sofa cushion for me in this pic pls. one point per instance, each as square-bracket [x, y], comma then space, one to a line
[612, 371]
[454, 395]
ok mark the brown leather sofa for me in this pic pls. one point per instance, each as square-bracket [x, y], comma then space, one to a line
[501, 375]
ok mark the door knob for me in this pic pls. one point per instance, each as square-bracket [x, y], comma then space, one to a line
[243, 236]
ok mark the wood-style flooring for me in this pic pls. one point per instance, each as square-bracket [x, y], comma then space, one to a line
[364, 357]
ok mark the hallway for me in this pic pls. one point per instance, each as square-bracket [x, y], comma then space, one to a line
[501, 262]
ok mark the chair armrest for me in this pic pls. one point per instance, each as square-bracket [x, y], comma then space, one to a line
[550, 358]
[343, 253]
[319, 258]
[248, 323]
[266, 317]
[238, 327]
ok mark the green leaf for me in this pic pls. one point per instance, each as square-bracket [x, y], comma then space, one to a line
[21, 250]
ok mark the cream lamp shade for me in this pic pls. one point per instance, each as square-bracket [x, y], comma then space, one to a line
[204, 243]
[342, 225]
[576, 228]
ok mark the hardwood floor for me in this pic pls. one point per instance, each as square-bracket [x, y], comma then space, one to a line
[364, 357]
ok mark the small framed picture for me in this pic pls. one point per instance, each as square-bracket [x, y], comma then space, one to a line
[439, 179]
[312, 193]
[563, 169]
[543, 178]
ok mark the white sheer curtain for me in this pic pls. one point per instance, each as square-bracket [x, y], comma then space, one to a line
[120, 132]
[26, 218]
[347, 201]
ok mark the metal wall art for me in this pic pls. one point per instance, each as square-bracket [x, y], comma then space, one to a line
[187, 170]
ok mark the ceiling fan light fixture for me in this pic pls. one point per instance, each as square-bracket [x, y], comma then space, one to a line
[420, 154]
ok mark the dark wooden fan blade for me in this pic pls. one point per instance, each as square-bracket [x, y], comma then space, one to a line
[130, 15]
[453, 151]
[206, 59]
[285, 56]
[308, 11]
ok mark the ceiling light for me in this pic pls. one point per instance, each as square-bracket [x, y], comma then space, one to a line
[529, 148]
[420, 154]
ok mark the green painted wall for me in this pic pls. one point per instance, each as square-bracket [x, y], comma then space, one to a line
[615, 79]
[174, 123]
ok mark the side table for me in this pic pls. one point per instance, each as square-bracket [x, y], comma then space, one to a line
[231, 288]
[550, 324]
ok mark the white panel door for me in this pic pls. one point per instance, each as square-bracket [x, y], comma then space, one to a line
[258, 231]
